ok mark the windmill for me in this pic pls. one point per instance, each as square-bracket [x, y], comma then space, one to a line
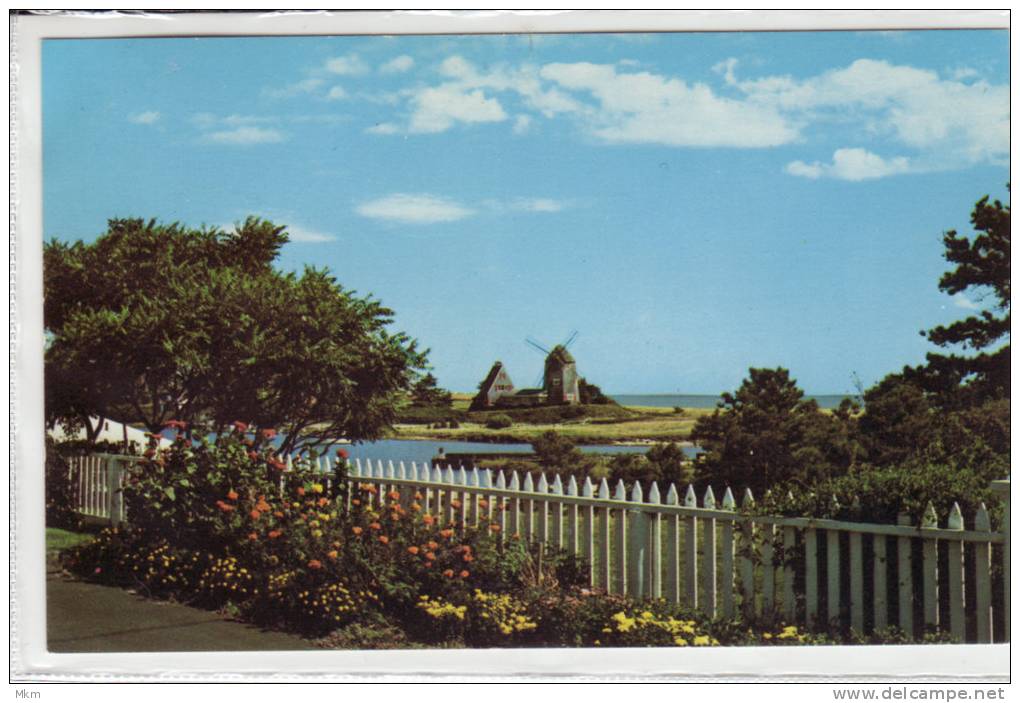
[559, 377]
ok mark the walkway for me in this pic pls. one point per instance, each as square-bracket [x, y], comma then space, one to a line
[85, 617]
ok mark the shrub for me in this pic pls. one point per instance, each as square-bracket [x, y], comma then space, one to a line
[499, 422]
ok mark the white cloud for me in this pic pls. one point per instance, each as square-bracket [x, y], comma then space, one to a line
[148, 117]
[350, 65]
[652, 109]
[852, 165]
[538, 205]
[962, 301]
[521, 124]
[414, 209]
[400, 64]
[303, 235]
[950, 122]
[383, 128]
[304, 87]
[437, 109]
[337, 92]
[246, 135]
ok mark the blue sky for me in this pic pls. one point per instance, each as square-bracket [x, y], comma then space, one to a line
[692, 204]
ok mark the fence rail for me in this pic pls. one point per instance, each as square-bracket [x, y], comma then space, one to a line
[704, 553]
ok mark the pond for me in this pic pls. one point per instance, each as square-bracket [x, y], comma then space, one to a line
[408, 450]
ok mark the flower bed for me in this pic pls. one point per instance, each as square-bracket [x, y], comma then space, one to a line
[216, 525]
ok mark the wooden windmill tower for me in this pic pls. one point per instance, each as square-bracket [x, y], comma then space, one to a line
[559, 378]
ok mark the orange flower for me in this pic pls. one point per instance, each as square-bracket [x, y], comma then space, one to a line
[412, 550]
[394, 516]
[300, 490]
[417, 496]
[356, 530]
[433, 544]
[455, 504]
[427, 519]
[323, 502]
[375, 526]
[333, 554]
[494, 527]
[255, 514]
[415, 507]
[465, 574]
[393, 495]
[430, 556]
[253, 536]
[232, 495]
[384, 539]
[273, 534]
[355, 501]
[278, 514]
[468, 558]
[225, 507]
[446, 533]
[483, 503]
[448, 573]
[263, 506]
[315, 564]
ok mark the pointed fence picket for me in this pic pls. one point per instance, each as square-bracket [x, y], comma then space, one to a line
[713, 558]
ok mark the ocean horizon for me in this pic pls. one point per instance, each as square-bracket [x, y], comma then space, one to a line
[695, 400]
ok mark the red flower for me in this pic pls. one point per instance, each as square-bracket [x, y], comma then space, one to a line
[375, 526]
[176, 424]
[273, 534]
[268, 433]
[255, 514]
[448, 573]
[300, 491]
[430, 556]
[468, 558]
[225, 507]
[315, 564]
[253, 536]
[465, 574]
[323, 502]
[342, 453]
[412, 550]
[232, 494]
[240, 426]
[253, 455]
[446, 533]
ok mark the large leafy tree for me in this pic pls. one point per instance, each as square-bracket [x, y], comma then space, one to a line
[154, 322]
[981, 269]
[767, 432]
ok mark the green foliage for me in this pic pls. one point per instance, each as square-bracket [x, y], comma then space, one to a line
[767, 433]
[559, 454]
[156, 322]
[592, 394]
[428, 414]
[552, 414]
[498, 422]
[425, 393]
[59, 492]
[880, 494]
[982, 263]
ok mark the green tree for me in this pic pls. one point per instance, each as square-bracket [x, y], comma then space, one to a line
[559, 454]
[162, 322]
[767, 432]
[426, 393]
[981, 268]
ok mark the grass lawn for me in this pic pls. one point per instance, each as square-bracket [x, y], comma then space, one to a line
[644, 424]
[58, 540]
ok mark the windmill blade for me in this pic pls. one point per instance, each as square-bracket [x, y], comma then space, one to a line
[570, 339]
[532, 342]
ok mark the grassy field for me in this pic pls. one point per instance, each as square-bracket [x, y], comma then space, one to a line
[58, 540]
[638, 425]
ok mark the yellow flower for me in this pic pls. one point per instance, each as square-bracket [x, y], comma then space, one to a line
[702, 640]
[317, 488]
[647, 615]
[679, 641]
[766, 636]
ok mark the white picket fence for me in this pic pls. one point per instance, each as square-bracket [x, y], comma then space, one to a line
[704, 553]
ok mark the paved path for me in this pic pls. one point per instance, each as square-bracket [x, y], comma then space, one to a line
[85, 617]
